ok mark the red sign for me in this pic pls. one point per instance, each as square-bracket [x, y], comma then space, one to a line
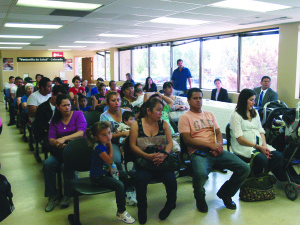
[57, 54]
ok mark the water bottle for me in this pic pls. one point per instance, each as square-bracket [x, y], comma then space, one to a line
[114, 171]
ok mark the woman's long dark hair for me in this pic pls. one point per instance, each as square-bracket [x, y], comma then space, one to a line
[242, 103]
[149, 104]
[147, 84]
[57, 114]
[124, 87]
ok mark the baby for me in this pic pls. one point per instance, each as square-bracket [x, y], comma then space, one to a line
[140, 97]
[127, 120]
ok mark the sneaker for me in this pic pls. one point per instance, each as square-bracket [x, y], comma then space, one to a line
[51, 204]
[64, 203]
[165, 212]
[131, 198]
[125, 217]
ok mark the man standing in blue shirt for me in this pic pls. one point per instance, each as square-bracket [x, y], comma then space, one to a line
[179, 77]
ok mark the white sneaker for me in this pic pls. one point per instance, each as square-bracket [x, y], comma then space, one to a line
[125, 217]
[131, 198]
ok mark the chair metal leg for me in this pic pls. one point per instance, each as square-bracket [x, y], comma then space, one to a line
[59, 182]
[74, 219]
[36, 154]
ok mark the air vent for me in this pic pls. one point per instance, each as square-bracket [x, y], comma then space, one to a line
[269, 20]
[38, 45]
[73, 13]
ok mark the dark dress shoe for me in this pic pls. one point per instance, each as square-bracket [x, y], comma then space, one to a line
[202, 205]
[228, 202]
[165, 212]
[11, 123]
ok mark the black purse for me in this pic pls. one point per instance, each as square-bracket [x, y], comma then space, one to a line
[171, 162]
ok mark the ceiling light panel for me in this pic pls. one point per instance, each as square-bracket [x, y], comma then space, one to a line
[59, 5]
[14, 43]
[27, 25]
[179, 21]
[10, 47]
[71, 46]
[250, 5]
[20, 36]
[90, 42]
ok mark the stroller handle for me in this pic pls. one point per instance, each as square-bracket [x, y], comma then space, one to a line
[277, 103]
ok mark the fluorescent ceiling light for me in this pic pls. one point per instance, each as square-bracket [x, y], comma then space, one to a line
[20, 36]
[118, 35]
[71, 46]
[10, 47]
[91, 42]
[59, 5]
[61, 49]
[27, 25]
[178, 21]
[250, 5]
[14, 43]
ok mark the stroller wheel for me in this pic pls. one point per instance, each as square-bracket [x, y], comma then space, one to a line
[291, 191]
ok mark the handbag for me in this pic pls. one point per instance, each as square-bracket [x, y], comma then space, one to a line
[171, 162]
[258, 188]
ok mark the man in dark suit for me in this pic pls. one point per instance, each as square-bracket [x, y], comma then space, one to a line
[264, 93]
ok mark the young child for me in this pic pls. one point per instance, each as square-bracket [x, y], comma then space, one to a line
[81, 102]
[138, 92]
[101, 97]
[100, 137]
[127, 119]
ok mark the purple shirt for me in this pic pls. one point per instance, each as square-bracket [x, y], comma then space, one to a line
[76, 123]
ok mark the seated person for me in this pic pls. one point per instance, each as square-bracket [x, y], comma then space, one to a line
[166, 109]
[43, 115]
[264, 93]
[150, 86]
[76, 89]
[178, 104]
[58, 81]
[21, 90]
[38, 78]
[101, 97]
[248, 136]
[84, 84]
[66, 125]
[201, 134]
[127, 119]
[81, 103]
[12, 104]
[101, 174]
[10, 83]
[113, 87]
[95, 89]
[23, 106]
[219, 93]
[38, 97]
[150, 124]
[127, 97]
[129, 78]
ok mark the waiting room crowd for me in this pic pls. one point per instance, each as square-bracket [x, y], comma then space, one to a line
[57, 115]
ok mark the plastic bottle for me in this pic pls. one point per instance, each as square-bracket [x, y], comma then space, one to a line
[114, 171]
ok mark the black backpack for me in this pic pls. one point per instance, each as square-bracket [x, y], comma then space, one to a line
[6, 203]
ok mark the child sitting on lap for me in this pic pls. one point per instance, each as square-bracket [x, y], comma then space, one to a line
[100, 137]
[127, 119]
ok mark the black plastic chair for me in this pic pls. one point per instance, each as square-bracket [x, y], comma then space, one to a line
[78, 156]
[175, 128]
[92, 117]
[228, 137]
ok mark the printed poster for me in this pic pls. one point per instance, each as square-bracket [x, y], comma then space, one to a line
[68, 65]
[8, 64]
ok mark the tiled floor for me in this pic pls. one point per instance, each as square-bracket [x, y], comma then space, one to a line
[26, 178]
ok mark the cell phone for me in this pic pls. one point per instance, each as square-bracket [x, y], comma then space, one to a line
[202, 154]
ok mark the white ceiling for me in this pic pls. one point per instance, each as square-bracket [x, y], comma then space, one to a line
[132, 17]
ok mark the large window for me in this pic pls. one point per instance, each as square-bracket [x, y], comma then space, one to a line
[220, 61]
[259, 58]
[107, 65]
[189, 53]
[125, 64]
[160, 64]
[140, 65]
[100, 65]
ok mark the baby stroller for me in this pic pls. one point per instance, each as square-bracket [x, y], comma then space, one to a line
[272, 122]
[291, 152]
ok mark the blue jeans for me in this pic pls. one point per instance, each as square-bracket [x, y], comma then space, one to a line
[143, 178]
[119, 186]
[202, 166]
[177, 92]
[51, 167]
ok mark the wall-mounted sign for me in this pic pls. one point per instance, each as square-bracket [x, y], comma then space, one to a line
[68, 65]
[40, 59]
[57, 54]
[8, 64]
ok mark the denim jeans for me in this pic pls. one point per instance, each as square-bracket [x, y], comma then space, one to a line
[177, 92]
[119, 186]
[202, 166]
[143, 178]
[50, 167]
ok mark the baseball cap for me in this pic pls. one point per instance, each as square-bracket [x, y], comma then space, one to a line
[28, 79]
